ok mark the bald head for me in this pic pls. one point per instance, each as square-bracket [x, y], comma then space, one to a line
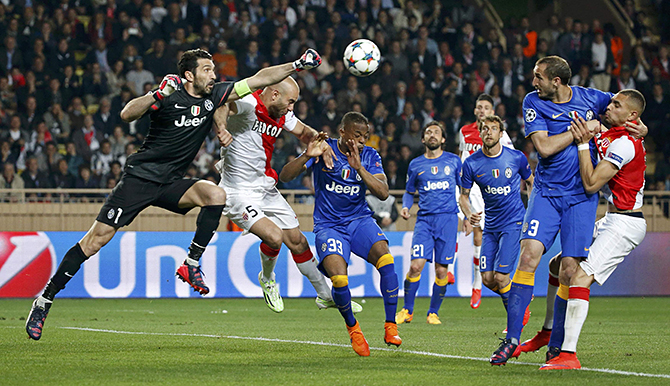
[279, 98]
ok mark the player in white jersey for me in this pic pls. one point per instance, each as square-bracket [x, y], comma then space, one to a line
[620, 176]
[253, 201]
[470, 142]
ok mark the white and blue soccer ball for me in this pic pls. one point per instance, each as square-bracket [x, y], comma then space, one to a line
[362, 57]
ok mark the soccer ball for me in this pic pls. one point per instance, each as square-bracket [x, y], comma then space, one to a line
[361, 57]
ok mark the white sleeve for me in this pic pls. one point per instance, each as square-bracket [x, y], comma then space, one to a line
[246, 105]
[290, 121]
[620, 152]
[461, 140]
[506, 140]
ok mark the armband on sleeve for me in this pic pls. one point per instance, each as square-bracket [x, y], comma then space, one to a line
[242, 88]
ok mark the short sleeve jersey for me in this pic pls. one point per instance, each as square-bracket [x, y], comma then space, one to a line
[624, 190]
[558, 175]
[340, 191]
[435, 179]
[179, 125]
[246, 162]
[499, 179]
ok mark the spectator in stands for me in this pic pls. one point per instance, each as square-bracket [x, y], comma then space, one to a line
[87, 138]
[32, 177]
[552, 32]
[115, 172]
[130, 149]
[662, 62]
[398, 59]
[623, 81]
[345, 98]
[413, 137]
[385, 212]
[58, 123]
[9, 180]
[395, 180]
[61, 177]
[138, 76]
[602, 62]
[17, 136]
[102, 159]
[85, 180]
[6, 153]
[10, 55]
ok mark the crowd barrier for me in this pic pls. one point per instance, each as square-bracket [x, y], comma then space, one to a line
[142, 265]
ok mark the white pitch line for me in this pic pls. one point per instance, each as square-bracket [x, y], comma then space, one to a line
[425, 353]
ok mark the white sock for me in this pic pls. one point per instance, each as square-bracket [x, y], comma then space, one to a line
[575, 317]
[451, 266]
[192, 262]
[268, 263]
[310, 271]
[551, 297]
[477, 282]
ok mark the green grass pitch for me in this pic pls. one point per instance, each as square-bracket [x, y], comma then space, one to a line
[240, 341]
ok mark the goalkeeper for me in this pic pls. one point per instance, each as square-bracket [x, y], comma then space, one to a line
[182, 114]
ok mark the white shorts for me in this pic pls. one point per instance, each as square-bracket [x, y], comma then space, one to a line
[477, 203]
[616, 235]
[246, 206]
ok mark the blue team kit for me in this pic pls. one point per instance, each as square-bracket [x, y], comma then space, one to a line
[340, 211]
[558, 201]
[499, 179]
[436, 226]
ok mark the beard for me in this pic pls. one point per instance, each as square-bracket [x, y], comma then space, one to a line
[433, 146]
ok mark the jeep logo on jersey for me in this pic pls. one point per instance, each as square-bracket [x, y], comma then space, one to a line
[496, 173]
[504, 190]
[209, 105]
[264, 128]
[195, 110]
[508, 172]
[27, 261]
[439, 185]
[348, 189]
[433, 169]
[189, 122]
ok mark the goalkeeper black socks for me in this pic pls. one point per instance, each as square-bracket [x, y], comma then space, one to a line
[71, 263]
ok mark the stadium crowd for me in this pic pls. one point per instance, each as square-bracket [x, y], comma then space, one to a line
[67, 68]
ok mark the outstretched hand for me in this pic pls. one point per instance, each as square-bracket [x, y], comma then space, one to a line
[169, 84]
[309, 60]
[318, 146]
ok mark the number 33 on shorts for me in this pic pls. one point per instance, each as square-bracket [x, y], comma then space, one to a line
[530, 228]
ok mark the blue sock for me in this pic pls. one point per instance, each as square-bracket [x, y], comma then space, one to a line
[388, 284]
[560, 309]
[519, 298]
[505, 300]
[410, 293]
[436, 298]
[342, 298]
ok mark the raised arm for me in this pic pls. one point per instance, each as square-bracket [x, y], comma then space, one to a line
[137, 107]
[305, 134]
[314, 149]
[375, 183]
[275, 74]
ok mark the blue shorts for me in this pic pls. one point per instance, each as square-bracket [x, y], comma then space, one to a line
[358, 237]
[438, 233]
[573, 215]
[500, 250]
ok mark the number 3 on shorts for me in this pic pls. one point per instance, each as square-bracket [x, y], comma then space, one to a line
[532, 229]
[334, 246]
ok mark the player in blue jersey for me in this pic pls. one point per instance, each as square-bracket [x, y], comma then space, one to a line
[343, 222]
[435, 176]
[497, 170]
[558, 201]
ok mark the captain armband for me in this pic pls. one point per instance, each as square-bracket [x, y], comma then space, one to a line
[242, 88]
